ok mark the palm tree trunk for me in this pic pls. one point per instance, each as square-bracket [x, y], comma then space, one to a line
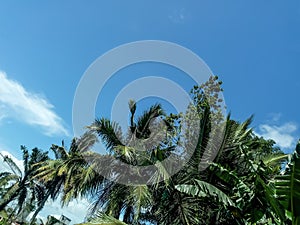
[41, 206]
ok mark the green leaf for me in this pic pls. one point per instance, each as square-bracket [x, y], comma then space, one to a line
[103, 219]
[203, 189]
[288, 186]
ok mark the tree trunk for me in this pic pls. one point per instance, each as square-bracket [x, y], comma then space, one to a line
[41, 206]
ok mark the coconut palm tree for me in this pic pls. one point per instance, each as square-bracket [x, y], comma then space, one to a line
[19, 187]
[227, 178]
[115, 198]
[135, 203]
[60, 175]
[139, 203]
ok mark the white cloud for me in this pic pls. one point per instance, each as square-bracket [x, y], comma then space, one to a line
[18, 103]
[4, 166]
[283, 135]
[275, 117]
[2, 113]
[2, 117]
[76, 210]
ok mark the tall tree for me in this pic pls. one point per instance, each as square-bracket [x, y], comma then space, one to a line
[18, 184]
[228, 177]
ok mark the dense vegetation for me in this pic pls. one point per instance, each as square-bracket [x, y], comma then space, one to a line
[249, 180]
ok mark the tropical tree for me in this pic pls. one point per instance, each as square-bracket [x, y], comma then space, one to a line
[63, 175]
[288, 187]
[18, 188]
[103, 219]
[133, 149]
[241, 171]
[150, 202]
[229, 176]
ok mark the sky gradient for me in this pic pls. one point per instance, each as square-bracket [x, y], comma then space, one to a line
[46, 46]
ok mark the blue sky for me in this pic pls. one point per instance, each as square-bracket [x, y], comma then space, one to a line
[46, 46]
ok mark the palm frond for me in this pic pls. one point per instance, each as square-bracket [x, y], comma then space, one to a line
[204, 189]
[139, 198]
[288, 185]
[12, 165]
[103, 219]
[275, 159]
[86, 141]
[144, 121]
[59, 151]
[7, 177]
[109, 132]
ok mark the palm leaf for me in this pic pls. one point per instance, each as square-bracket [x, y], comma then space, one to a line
[204, 189]
[230, 177]
[270, 196]
[109, 132]
[59, 151]
[140, 197]
[143, 122]
[85, 142]
[288, 186]
[12, 165]
[7, 177]
[25, 159]
[274, 159]
[103, 219]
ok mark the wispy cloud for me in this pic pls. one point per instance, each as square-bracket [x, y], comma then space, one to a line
[2, 117]
[18, 103]
[178, 16]
[275, 117]
[283, 135]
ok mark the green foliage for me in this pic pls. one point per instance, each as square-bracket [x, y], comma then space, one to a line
[18, 185]
[204, 189]
[288, 186]
[231, 177]
[103, 219]
[234, 188]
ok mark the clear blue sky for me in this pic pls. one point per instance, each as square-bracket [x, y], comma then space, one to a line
[45, 47]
